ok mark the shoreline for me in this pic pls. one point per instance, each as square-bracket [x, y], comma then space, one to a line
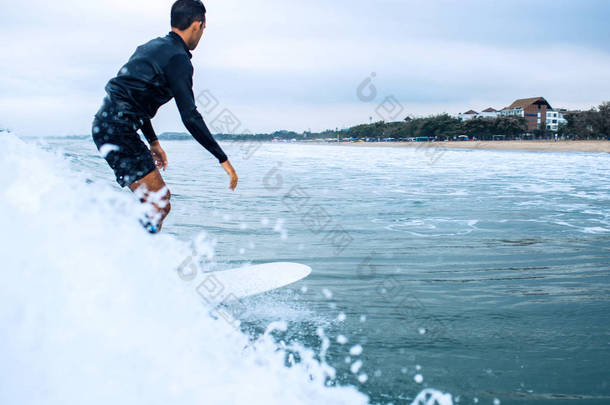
[559, 146]
[595, 146]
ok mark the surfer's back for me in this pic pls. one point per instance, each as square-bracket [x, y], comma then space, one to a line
[141, 84]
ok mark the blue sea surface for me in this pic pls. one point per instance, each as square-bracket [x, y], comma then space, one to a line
[480, 273]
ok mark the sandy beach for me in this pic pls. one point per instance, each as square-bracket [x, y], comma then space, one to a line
[574, 146]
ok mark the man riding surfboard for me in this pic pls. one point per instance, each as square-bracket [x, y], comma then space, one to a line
[158, 71]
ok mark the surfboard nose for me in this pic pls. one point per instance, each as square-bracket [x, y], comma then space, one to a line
[252, 280]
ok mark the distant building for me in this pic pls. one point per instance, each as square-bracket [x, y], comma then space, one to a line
[534, 110]
[537, 112]
[554, 119]
[488, 113]
[468, 115]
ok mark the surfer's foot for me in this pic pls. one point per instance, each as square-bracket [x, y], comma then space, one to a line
[148, 224]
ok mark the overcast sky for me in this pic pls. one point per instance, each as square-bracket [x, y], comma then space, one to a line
[298, 64]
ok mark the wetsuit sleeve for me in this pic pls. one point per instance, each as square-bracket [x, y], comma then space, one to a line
[179, 74]
[149, 132]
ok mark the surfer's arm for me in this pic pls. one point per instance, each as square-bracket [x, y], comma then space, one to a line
[231, 172]
[149, 132]
[180, 79]
[157, 152]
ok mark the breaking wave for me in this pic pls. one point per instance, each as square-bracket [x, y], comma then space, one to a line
[93, 312]
[92, 309]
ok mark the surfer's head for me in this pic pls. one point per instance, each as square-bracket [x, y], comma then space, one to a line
[188, 20]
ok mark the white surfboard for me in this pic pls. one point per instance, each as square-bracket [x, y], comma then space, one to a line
[233, 284]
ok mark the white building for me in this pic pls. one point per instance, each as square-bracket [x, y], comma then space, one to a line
[468, 115]
[512, 112]
[488, 113]
[535, 110]
[554, 118]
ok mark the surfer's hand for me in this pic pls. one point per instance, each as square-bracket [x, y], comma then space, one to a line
[231, 172]
[158, 155]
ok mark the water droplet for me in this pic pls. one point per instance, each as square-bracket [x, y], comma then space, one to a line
[356, 350]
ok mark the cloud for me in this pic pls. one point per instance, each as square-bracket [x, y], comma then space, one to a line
[296, 65]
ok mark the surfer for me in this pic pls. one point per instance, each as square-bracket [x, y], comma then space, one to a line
[158, 71]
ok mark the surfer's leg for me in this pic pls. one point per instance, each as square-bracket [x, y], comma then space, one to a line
[152, 190]
[133, 165]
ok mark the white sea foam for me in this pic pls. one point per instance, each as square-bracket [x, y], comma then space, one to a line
[595, 230]
[430, 227]
[92, 311]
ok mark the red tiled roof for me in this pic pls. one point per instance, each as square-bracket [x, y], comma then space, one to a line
[490, 110]
[471, 112]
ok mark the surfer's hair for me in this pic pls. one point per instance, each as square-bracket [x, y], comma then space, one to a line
[185, 12]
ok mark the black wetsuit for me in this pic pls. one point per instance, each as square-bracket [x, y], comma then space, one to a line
[158, 71]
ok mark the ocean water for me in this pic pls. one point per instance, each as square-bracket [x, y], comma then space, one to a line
[481, 274]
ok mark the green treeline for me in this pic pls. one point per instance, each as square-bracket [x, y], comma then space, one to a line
[441, 127]
[592, 124]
